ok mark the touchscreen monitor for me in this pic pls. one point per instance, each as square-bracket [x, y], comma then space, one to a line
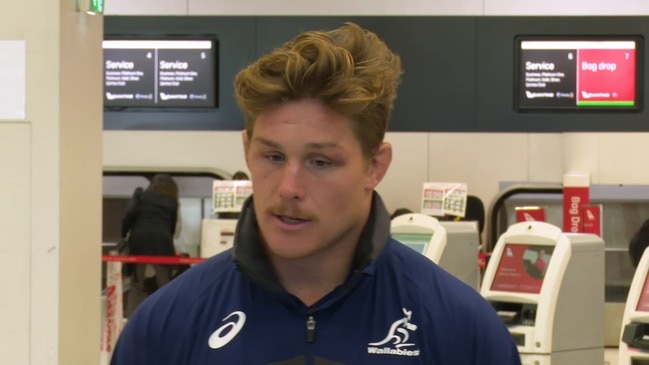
[578, 73]
[160, 73]
[417, 241]
[522, 268]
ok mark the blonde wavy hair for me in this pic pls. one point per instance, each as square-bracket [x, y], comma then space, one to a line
[349, 69]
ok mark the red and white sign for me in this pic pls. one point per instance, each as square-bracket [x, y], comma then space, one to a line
[229, 195]
[442, 198]
[530, 214]
[592, 219]
[576, 193]
[606, 75]
[114, 317]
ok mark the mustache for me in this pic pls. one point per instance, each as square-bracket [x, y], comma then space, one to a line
[290, 212]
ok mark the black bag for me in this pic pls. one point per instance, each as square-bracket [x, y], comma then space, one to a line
[123, 248]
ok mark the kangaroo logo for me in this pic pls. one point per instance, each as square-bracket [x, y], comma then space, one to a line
[399, 332]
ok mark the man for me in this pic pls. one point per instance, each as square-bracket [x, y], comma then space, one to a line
[314, 277]
[639, 243]
[540, 262]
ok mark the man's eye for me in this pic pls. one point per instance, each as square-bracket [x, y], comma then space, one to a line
[320, 163]
[274, 157]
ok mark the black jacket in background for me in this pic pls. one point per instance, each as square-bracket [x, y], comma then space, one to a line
[151, 219]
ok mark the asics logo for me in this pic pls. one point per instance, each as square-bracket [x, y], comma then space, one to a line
[224, 334]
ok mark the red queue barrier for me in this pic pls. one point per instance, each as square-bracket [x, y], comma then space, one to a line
[164, 260]
[113, 319]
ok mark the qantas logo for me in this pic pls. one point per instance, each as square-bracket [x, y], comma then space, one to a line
[590, 215]
[587, 95]
[396, 342]
[528, 217]
[224, 334]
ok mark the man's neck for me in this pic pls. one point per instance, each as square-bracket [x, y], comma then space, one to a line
[313, 277]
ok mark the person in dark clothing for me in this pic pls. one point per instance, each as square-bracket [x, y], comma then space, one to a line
[150, 223]
[639, 243]
[240, 175]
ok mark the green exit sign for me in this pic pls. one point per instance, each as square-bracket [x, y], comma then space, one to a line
[96, 6]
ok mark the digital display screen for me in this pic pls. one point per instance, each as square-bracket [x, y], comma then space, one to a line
[579, 74]
[522, 268]
[417, 241]
[160, 73]
[643, 302]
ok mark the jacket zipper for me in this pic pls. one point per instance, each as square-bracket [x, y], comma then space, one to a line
[310, 329]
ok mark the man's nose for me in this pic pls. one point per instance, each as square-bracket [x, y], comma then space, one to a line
[292, 180]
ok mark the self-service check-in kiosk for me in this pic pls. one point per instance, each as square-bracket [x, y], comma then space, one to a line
[548, 287]
[451, 245]
[217, 235]
[634, 339]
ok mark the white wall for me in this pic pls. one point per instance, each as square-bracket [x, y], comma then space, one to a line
[15, 242]
[218, 152]
[563, 7]
[376, 7]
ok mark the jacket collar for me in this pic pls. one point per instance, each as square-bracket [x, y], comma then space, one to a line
[250, 256]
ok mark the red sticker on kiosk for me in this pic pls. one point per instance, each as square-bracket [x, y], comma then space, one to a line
[592, 219]
[530, 214]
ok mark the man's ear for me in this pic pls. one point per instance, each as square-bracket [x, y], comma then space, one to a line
[378, 165]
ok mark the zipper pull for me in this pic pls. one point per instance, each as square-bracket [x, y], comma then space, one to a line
[310, 329]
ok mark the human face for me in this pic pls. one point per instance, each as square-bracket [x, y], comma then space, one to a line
[312, 185]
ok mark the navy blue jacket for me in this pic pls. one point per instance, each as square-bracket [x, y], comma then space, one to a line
[396, 307]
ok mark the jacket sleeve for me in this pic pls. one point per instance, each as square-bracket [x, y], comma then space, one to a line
[132, 210]
[495, 345]
[131, 347]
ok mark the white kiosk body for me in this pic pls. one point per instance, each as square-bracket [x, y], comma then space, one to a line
[453, 246]
[548, 287]
[217, 235]
[634, 339]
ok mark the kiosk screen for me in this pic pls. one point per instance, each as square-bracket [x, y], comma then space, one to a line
[522, 268]
[643, 302]
[417, 241]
